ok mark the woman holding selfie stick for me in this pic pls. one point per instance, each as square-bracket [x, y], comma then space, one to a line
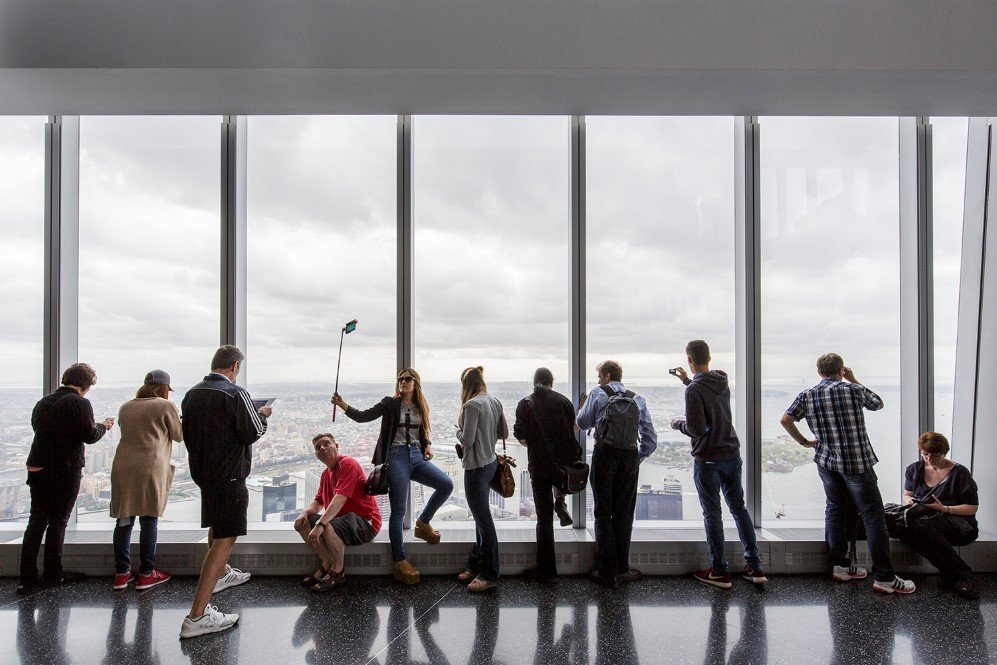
[404, 446]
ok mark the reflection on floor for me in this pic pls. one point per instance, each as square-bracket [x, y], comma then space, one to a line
[659, 620]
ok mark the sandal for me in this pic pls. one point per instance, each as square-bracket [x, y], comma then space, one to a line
[466, 576]
[329, 581]
[315, 578]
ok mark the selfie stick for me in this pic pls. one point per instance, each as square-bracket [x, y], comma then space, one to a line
[347, 329]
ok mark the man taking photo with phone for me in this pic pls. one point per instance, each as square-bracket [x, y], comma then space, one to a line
[717, 469]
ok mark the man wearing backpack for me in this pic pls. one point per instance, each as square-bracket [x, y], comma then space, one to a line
[624, 437]
[717, 452]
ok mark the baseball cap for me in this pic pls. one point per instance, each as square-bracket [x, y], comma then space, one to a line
[158, 376]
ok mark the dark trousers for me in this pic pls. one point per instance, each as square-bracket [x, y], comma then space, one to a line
[148, 537]
[842, 490]
[53, 495]
[543, 500]
[712, 479]
[934, 540]
[614, 493]
[484, 557]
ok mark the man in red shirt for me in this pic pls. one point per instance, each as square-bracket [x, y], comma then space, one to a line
[349, 515]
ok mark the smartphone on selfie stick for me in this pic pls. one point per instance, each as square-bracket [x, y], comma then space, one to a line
[347, 329]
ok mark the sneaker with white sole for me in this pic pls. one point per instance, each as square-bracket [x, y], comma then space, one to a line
[848, 573]
[234, 577]
[898, 585]
[756, 576]
[212, 621]
[709, 576]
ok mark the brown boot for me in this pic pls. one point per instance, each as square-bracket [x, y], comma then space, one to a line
[405, 573]
[425, 532]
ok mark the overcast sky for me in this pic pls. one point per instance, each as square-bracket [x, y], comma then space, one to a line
[492, 217]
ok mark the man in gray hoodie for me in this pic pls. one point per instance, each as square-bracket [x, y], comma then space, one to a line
[717, 469]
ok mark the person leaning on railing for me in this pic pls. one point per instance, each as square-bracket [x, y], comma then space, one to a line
[949, 499]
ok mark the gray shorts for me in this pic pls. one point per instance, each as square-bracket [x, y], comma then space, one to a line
[351, 528]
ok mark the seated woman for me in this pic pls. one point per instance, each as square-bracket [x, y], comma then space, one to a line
[949, 493]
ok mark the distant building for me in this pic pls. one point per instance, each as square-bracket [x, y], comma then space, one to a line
[663, 504]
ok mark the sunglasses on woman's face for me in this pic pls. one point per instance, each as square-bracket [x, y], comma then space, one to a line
[405, 379]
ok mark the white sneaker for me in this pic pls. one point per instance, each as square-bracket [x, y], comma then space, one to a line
[848, 573]
[898, 585]
[234, 577]
[212, 621]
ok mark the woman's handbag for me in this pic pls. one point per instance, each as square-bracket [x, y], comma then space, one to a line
[503, 481]
[377, 481]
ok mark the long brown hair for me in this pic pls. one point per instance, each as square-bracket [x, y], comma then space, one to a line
[472, 383]
[417, 396]
[153, 390]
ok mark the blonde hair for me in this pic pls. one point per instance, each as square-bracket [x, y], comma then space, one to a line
[420, 400]
[153, 390]
[472, 384]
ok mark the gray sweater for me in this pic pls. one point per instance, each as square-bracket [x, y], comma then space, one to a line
[484, 424]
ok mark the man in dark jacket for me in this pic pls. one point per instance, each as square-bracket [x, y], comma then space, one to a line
[717, 454]
[63, 424]
[545, 425]
[220, 425]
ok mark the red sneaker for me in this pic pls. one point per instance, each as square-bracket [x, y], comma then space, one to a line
[121, 581]
[722, 580]
[152, 579]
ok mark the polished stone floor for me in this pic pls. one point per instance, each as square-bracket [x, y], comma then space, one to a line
[796, 619]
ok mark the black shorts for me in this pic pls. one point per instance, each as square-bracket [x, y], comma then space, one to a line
[224, 508]
[351, 528]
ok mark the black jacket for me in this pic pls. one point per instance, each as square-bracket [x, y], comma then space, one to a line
[389, 410]
[63, 424]
[545, 420]
[220, 426]
[708, 419]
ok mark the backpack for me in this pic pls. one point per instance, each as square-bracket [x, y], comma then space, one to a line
[619, 427]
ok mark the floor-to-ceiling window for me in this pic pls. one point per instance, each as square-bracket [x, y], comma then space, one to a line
[491, 214]
[149, 274]
[22, 190]
[321, 252]
[948, 180]
[660, 272]
[830, 283]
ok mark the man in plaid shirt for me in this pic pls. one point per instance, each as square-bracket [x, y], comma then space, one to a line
[844, 457]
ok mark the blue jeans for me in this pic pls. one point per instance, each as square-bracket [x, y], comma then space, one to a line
[484, 557]
[845, 492]
[405, 464]
[711, 479]
[148, 538]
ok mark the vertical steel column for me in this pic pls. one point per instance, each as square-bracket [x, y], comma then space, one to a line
[577, 351]
[405, 249]
[62, 248]
[979, 164]
[404, 267]
[747, 276]
[233, 236]
[917, 381]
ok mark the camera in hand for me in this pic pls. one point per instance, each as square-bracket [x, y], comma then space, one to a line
[674, 371]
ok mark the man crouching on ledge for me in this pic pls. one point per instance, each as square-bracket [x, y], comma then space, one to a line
[349, 515]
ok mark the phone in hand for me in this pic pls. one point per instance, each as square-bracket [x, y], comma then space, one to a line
[923, 499]
[674, 371]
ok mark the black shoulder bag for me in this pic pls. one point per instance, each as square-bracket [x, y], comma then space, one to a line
[568, 478]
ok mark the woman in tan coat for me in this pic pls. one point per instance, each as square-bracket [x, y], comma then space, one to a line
[141, 476]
